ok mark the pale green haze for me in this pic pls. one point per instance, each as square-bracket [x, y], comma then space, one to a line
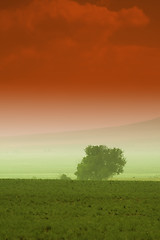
[49, 155]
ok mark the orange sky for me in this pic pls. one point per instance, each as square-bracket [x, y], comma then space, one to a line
[66, 65]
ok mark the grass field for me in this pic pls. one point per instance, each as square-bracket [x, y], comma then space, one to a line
[69, 210]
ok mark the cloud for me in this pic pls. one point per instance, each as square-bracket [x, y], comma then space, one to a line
[60, 35]
[71, 12]
[133, 17]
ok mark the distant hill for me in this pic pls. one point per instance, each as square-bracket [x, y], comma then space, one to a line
[140, 142]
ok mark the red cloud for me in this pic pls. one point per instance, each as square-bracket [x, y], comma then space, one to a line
[132, 17]
[71, 12]
[60, 34]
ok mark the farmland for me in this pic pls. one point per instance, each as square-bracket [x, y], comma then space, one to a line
[85, 210]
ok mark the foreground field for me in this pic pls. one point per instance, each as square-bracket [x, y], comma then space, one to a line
[70, 210]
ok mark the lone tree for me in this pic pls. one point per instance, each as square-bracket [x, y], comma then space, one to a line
[64, 177]
[100, 163]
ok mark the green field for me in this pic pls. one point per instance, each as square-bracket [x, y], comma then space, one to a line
[68, 210]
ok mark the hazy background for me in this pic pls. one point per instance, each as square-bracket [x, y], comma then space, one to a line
[49, 155]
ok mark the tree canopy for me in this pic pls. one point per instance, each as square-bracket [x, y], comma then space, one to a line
[100, 163]
[64, 177]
